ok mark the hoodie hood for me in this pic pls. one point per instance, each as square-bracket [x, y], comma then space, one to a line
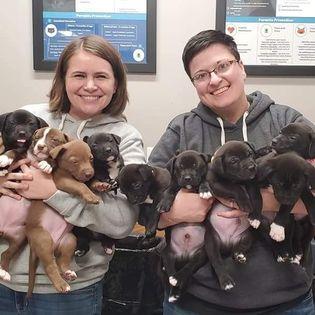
[95, 122]
[258, 104]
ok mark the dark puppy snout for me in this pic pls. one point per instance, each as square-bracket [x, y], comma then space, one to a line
[187, 178]
[22, 133]
[274, 142]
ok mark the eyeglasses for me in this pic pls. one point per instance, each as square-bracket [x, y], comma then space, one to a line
[221, 67]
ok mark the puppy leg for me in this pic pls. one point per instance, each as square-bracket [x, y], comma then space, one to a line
[64, 255]
[15, 243]
[43, 247]
[75, 187]
[213, 251]
[277, 228]
[243, 246]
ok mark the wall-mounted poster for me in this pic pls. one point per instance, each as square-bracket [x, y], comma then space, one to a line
[274, 37]
[129, 25]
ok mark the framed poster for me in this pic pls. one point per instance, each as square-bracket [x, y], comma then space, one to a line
[129, 25]
[274, 37]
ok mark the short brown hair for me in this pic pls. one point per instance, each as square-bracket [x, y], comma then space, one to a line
[205, 39]
[98, 46]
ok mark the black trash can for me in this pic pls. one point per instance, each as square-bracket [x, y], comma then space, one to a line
[132, 284]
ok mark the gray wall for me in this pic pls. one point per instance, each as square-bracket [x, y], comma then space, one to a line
[154, 99]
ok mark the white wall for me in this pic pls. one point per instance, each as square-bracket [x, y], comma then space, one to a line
[154, 99]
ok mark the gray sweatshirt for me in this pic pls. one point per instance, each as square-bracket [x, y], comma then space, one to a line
[261, 282]
[114, 216]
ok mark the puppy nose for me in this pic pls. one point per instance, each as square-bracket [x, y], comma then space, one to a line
[108, 150]
[88, 174]
[187, 178]
[274, 142]
[22, 133]
[40, 147]
[251, 166]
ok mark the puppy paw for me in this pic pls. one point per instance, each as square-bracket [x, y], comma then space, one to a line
[4, 275]
[226, 283]
[205, 195]
[5, 161]
[173, 281]
[79, 253]
[91, 198]
[69, 275]
[277, 232]
[101, 186]
[254, 223]
[45, 167]
[296, 259]
[282, 258]
[61, 286]
[108, 250]
[173, 298]
[240, 257]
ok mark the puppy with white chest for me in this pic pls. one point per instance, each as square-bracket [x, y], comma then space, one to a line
[107, 163]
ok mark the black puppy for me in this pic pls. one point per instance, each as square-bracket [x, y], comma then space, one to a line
[143, 185]
[17, 129]
[107, 163]
[231, 176]
[291, 178]
[297, 137]
[184, 253]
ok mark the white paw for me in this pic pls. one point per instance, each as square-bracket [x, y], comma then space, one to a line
[296, 260]
[4, 275]
[280, 259]
[240, 257]
[228, 287]
[5, 161]
[173, 298]
[172, 281]
[45, 167]
[108, 250]
[277, 232]
[70, 275]
[205, 195]
[254, 223]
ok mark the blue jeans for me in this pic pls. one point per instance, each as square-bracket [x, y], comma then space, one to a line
[86, 301]
[305, 307]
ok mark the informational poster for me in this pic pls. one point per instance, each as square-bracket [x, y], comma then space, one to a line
[273, 36]
[124, 23]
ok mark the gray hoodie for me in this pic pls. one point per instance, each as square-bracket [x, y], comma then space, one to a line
[261, 282]
[114, 216]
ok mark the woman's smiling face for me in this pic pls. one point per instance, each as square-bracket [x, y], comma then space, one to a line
[90, 84]
[224, 92]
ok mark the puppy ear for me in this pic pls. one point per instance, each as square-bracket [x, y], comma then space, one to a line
[170, 165]
[264, 169]
[311, 150]
[217, 164]
[57, 151]
[310, 175]
[206, 157]
[41, 122]
[67, 138]
[116, 138]
[145, 171]
[3, 119]
[85, 139]
[162, 177]
[251, 145]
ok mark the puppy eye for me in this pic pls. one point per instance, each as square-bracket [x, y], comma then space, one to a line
[234, 160]
[292, 137]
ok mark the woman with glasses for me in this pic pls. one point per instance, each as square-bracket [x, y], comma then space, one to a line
[225, 112]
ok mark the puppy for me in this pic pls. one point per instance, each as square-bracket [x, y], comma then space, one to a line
[231, 175]
[184, 252]
[17, 128]
[107, 163]
[73, 167]
[143, 185]
[291, 178]
[296, 137]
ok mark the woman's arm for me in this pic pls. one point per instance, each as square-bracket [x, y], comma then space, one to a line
[113, 216]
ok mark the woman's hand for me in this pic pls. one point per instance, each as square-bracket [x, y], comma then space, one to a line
[187, 207]
[12, 181]
[41, 187]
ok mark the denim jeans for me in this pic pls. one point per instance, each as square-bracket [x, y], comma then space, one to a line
[86, 301]
[305, 307]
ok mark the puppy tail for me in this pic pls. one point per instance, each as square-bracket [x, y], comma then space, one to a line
[33, 263]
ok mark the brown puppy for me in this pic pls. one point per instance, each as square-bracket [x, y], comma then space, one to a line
[74, 167]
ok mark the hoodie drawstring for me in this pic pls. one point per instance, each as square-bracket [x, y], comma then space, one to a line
[80, 128]
[244, 128]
